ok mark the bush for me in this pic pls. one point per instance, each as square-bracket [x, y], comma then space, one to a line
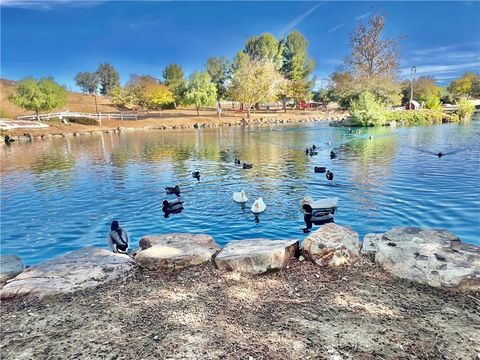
[465, 108]
[432, 102]
[420, 117]
[367, 110]
[83, 121]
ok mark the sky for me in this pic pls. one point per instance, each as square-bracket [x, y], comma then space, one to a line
[61, 38]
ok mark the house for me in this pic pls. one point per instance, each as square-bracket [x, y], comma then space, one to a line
[412, 105]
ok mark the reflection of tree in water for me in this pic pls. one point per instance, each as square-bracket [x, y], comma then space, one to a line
[54, 170]
[369, 161]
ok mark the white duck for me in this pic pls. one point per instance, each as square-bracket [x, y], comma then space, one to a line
[258, 206]
[240, 197]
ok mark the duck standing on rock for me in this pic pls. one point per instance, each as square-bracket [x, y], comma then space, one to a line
[329, 175]
[196, 175]
[118, 238]
[173, 190]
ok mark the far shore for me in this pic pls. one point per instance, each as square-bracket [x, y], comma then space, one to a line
[181, 119]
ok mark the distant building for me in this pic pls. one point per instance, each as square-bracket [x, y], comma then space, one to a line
[412, 105]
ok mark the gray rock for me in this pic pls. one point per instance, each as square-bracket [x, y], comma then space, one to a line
[10, 266]
[74, 271]
[434, 257]
[368, 245]
[175, 250]
[256, 256]
[332, 245]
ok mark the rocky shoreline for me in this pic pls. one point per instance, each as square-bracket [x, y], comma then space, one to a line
[161, 124]
[176, 291]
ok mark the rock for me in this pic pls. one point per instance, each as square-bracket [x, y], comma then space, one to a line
[175, 250]
[256, 256]
[332, 245]
[368, 245]
[74, 271]
[10, 266]
[434, 257]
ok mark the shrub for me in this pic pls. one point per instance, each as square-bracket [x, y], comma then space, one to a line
[465, 108]
[367, 110]
[420, 117]
[83, 121]
[432, 102]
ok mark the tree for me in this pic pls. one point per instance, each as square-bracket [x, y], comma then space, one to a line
[255, 82]
[298, 66]
[87, 81]
[425, 87]
[174, 79]
[373, 56]
[121, 97]
[218, 69]
[39, 95]
[157, 96]
[367, 110]
[265, 47]
[108, 78]
[464, 86]
[200, 91]
[432, 102]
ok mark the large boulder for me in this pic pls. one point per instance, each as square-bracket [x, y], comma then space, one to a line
[74, 271]
[256, 256]
[332, 245]
[427, 256]
[368, 245]
[10, 266]
[175, 250]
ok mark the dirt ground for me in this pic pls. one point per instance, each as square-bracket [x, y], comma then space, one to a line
[303, 312]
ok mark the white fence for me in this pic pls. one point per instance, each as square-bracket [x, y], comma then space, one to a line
[74, 114]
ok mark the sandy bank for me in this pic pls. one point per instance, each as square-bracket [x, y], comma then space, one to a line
[203, 313]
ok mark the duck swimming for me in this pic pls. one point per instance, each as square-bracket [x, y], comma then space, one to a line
[172, 207]
[196, 175]
[258, 206]
[237, 161]
[332, 155]
[319, 169]
[173, 190]
[247, 166]
[329, 175]
[439, 154]
[240, 197]
[8, 139]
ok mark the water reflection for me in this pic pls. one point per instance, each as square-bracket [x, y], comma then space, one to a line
[53, 185]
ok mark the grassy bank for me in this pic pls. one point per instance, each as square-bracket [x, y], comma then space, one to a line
[303, 312]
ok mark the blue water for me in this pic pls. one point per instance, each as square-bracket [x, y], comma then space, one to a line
[61, 194]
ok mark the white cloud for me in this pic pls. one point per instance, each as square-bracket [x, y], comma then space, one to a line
[360, 17]
[295, 22]
[47, 4]
[439, 69]
[336, 27]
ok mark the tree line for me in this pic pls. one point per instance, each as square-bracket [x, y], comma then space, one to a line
[266, 70]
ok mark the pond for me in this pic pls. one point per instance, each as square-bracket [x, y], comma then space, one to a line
[61, 194]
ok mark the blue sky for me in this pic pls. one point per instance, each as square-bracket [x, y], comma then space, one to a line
[61, 38]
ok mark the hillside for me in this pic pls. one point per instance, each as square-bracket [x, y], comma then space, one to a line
[75, 102]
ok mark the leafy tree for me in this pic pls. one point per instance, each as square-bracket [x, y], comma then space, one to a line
[87, 81]
[425, 87]
[121, 97]
[367, 110]
[157, 96]
[39, 95]
[240, 59]
[432, 102]
[265, 47]
[147, 92]
[174, 79]
[255, 82]
[218, 69]
[298, 66]
[200, 90]
[108, 78]
[464, 86]
[465, 108]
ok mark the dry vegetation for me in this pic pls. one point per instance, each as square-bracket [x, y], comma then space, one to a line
[301, 313]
